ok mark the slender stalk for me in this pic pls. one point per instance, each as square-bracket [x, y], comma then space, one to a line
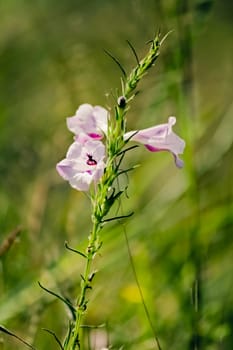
[92, 248]
[104, 195]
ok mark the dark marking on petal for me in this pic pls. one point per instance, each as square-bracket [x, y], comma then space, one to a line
[90, 160]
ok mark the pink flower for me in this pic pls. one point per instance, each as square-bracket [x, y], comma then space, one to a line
[160, 138]
[89, 120]
[83, 164]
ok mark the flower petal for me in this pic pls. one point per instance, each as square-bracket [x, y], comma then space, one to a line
[66, 169]
[83, 164]
[160, 138]
[89, 120]
[101, 116]
[81, 181]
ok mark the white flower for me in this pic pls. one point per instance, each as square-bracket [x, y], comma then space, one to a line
[89, 120]
[160, 138]
[83, 164]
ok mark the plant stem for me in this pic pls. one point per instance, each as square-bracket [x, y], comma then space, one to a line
[104, 196]
[92, 249]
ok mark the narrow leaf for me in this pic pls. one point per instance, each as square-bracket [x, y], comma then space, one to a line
[165, 37]
[55, 337]
[117, 62]
[134, 52]
[64, 300]
[5, 330]
[74, 250]
[118, 217]
[93, 326]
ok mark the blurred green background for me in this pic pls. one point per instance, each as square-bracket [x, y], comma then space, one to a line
[52, 60]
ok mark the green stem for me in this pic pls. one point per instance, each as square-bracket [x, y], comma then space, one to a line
[92, 249]
[102, 201]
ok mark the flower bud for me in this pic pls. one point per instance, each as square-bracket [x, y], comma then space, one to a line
[121, 101]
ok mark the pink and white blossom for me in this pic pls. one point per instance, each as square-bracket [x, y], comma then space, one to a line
[160, 138]
[89, 120]
[84, 164]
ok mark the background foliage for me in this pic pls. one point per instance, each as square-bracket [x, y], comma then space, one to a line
[51, 61]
